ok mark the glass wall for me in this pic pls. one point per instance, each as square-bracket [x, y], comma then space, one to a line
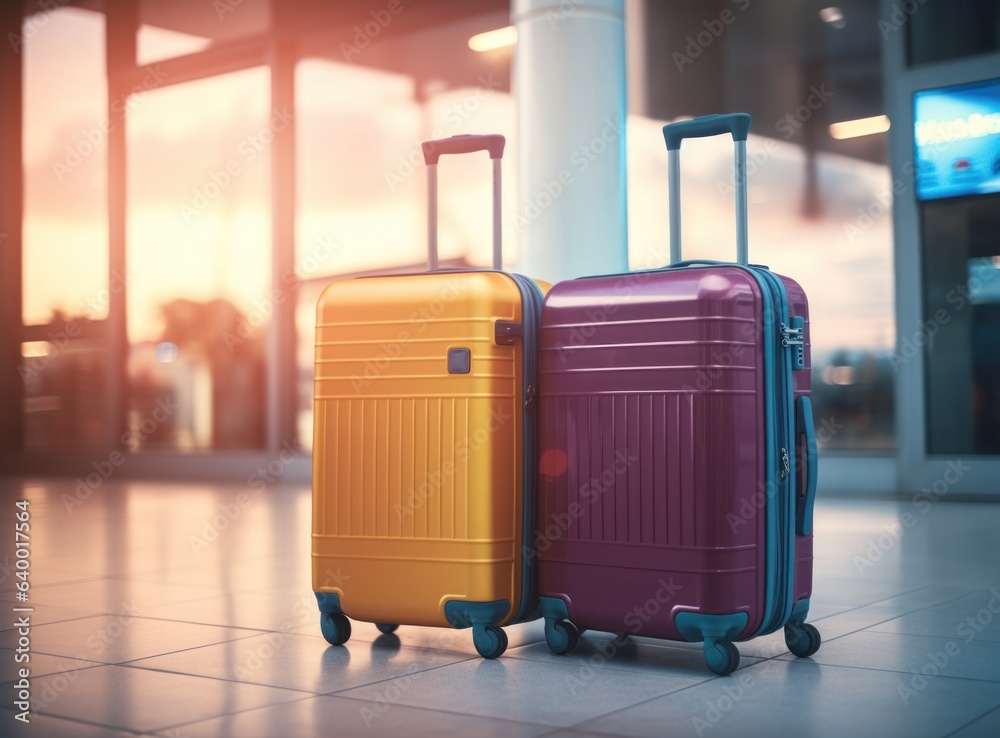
[362, 198]
[199, 254]
[65, 248]
[820, 196]
[960, 335]
[199, 200]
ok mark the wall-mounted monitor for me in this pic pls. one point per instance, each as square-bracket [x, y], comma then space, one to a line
[957, 140]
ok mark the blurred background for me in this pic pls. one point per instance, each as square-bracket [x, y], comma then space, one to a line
[194, 173]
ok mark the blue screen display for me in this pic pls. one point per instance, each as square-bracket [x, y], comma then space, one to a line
[957, 137]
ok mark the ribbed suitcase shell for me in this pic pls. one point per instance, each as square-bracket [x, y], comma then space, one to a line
[651, 437]
[417, 484]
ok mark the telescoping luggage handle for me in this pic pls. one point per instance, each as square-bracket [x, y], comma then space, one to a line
[463, 144]
[737, 124]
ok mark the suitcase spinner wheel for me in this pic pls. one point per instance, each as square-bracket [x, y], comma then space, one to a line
[722, 657]
[336, 628]
[385, 628]
[561, 636]
[490, 640]
[802, 639]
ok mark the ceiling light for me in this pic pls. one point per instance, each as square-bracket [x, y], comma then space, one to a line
[834, 16]
[496, 39]
[859, 127]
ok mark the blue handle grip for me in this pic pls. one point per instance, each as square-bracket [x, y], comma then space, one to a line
[737, 124]
[804, 505]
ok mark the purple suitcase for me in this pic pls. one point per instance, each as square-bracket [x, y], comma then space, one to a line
[677, 449]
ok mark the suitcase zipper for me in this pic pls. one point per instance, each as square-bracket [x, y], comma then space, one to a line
[531, 303]
[791, 338]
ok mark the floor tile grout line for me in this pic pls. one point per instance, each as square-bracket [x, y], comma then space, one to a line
[818, 664]
[614, 668]
[656, 697]
[774, 658]
[135, 665]
[887, 620]
[871, 629]
[880, 622]
[175, 726]
[57, 673]
[878, 603]
[976, 719]
[439, 711]
[59, 622]
[104, 726]
[339, 692]
[216, 679]
[553, 727]
[214, 625]
[171, 653]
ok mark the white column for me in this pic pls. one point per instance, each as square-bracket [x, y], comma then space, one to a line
[569, 83]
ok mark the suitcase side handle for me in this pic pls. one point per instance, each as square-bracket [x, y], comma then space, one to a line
[805, 503]
[737, 124]
[462, 144]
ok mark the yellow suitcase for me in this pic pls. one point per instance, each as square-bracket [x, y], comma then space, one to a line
[423, 453]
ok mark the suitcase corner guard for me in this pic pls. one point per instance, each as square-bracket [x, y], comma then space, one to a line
[717, 633]
[489, 639]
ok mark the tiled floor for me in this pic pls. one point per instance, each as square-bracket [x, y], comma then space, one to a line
[174, 610]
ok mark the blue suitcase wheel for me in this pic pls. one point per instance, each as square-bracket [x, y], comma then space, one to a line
[336, 627]
[561, 637]
[722, 657]
[386, 628]
[802, 639]
[490, 641]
